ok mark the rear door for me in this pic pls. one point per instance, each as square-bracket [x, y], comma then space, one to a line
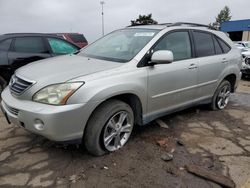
[172, 85]
[25, 50]
[211, 62]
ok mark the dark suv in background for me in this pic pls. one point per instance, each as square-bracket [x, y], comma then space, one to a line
[76, 38]
[20, 49]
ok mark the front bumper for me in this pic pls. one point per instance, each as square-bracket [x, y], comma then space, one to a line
[60, 123]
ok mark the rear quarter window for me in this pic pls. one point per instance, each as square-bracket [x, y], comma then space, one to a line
[226, 48]
[218, 48]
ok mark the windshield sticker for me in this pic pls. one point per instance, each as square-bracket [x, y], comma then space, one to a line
[144, 34]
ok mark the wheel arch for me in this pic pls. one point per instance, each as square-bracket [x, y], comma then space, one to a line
[129, 98]
[134, 102]
[232, 80]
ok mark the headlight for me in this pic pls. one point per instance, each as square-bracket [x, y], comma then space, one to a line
[57, 94]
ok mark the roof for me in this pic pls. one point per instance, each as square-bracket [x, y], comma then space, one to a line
[236, 25]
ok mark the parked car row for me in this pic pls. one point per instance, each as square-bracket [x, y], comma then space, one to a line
[17, 50]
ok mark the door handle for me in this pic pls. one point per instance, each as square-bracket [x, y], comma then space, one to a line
[192, 66]
[224, 60]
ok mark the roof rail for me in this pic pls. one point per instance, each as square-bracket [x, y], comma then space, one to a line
[184, 23]
[178, 24]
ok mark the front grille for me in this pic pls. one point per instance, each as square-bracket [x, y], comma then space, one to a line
[19, 85]
[12, 110]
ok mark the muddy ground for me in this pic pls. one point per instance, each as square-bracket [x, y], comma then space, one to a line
[215, 140]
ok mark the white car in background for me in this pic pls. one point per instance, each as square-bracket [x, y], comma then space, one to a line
[240, 47]
[245, 44]
[244, 47]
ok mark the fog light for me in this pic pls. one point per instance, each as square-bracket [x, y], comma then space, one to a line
[39, 125]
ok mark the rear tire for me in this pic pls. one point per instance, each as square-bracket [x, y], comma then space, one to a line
[221, 96]
[104, 133]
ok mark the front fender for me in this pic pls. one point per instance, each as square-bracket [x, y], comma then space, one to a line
[99, 90]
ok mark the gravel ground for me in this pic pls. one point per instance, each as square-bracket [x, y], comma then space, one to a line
[215, 140]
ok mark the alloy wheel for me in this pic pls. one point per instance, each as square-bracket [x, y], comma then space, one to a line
[117, 131]
[223, 97]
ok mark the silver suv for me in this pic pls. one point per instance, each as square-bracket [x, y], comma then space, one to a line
[129, 77]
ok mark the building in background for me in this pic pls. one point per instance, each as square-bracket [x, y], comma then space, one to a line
[238, 30]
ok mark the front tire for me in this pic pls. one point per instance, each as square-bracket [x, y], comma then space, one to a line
[109, 127]
[221, 96]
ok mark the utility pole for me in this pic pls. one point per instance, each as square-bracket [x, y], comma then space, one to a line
[102, 3]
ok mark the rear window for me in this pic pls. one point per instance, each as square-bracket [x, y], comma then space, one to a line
[203, 44]
[77, 38]
[29, 45]
[5, 44]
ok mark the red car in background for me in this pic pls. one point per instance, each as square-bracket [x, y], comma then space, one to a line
[76, 38]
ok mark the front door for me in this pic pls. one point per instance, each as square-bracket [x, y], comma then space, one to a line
[172, 85]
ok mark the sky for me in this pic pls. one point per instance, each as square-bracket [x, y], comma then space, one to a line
[84, 16]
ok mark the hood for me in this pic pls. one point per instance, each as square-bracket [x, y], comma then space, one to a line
[64, 68]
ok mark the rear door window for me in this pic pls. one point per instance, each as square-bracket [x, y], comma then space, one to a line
[204, 45]
[59, 46]
[29, 45]
[5, 44]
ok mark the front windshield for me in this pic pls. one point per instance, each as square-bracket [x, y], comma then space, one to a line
[120, 46]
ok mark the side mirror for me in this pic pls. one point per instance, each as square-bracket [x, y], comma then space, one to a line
[161, 57]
